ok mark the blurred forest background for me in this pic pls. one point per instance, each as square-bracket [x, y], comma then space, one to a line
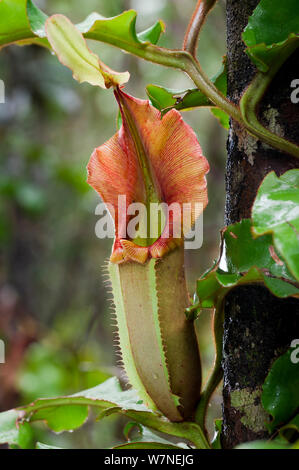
[54, 311]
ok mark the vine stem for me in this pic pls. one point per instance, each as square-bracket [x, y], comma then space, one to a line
[184, 61]
[200, 13]
[253, 96]
[217, 373]
[246, 115]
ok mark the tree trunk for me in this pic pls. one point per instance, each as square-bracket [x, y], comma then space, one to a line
[258, 326]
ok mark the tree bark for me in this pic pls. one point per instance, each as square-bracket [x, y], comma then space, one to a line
[258, 326]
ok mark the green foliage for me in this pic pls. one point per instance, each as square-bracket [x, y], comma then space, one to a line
[259, 445]
[15, 25]
[248, 260]
[72, 51]
[146, 445]
[165, 99]
[264, 250]
[62, 418]
[13, 433]
[146, 439]
[222, 117]
[276, 210]
[249, 245]
[120, 30]
[40, 445]
[37, 18]
[273, 27]
[68, 413]
[216, 442]
[22, 21]
[280, 396]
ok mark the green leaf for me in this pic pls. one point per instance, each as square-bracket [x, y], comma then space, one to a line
[274, 444]
[107, 398]
[273, 27]
[280, 396]
[216, 442]
[248, 260]
[221, 116]
[216, 285]
[15, 25]
[62, 418]
[19, 435]
[279, 287]
[8, 431]
[72, 51]
[244, 251]
[165, 99]
[23, 23]
[146, 445]
[147, 437]
[120, 30]
[40, 445]
[152, 34]
[36, 17]
[276, 210]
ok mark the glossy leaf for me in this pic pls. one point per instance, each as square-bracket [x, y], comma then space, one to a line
[14, 23]
[62, 418]
[143, 161]
[146, 437]
[290, 431]
[248, 260]
[244, 251]
[146, 342]
[216, 442]
[280, 396]
[72, 51]
[163, 98]
[110, 30]
[273, 27]
[222, 117]
[215, 286]
[22, 22]
[19, 435]
[274, 444]
[37, 19]
[120, 30]
[107, 398]
[146, 445]
[40, 445]
[276, 210]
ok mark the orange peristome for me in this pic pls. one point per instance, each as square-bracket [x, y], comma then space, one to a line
[117, 256]
[174, 161]
[134, 252]
[163, 246]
